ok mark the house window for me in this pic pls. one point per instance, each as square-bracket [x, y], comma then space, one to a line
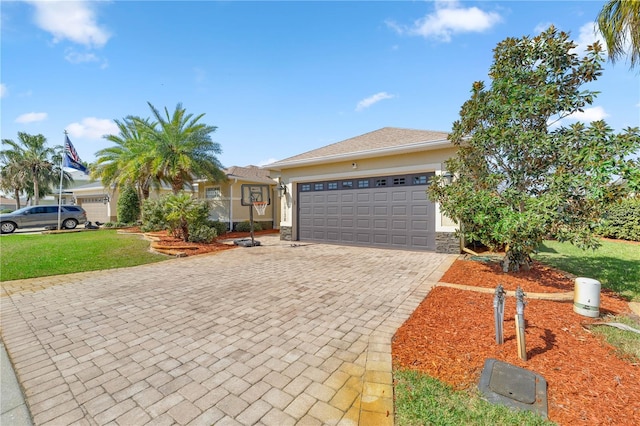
[347, 184]
[212, 192]
[332, 185]
[363, 184]
[318, 187]
[305, 187]
[381, 182]
[420, 180]
[398, 181]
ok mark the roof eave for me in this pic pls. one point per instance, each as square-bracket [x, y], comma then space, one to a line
[359, 155]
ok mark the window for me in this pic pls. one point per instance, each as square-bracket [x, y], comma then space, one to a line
[305, 187]
[363, 184]
[318, 187]
[420, 180]
[398, 181]
[332, 185]
[212, 192]
[347, 184]
[381, 182]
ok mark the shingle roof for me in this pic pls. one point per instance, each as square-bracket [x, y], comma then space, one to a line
[250, 173]
[385, 139]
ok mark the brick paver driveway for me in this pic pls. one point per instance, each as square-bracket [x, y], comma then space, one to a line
[273, 335]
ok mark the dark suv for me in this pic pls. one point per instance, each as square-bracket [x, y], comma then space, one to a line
[41, 216]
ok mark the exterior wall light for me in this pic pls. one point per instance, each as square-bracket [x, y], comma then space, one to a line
[106, 199]
[447, 178]
[282, 189]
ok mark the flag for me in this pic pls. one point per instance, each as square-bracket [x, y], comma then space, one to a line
[71, 158]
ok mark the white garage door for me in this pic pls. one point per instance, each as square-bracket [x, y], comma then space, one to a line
[386, 211]
[95, 208]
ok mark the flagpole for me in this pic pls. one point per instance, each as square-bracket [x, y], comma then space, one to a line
[60, 192]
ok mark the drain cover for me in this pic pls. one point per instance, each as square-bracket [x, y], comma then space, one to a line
[516, 387]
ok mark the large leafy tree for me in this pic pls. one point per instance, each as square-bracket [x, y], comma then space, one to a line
[517, 181]
[619, 23]
[31, 165]
[182, 148]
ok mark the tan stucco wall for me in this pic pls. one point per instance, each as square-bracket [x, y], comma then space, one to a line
[414, 162]
[228, 207]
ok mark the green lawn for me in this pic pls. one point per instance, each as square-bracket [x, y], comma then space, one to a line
[615, 264]
[38, 255]
[422, 400]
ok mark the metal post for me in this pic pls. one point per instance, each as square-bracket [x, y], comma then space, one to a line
[498, 313]
[522, 350]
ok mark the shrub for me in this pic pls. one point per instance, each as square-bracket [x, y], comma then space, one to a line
[154, 213]
[246, 226]
[202, 234]
[220, 227]
[128, 205]
[622, 220]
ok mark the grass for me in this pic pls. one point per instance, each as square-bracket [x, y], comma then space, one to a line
[627, 343]
[615, 264]
[422, 400]
[39, 255]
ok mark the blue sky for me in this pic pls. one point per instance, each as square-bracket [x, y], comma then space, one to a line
[276, 78]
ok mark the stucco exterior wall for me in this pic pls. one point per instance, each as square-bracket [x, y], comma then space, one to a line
[414, 162]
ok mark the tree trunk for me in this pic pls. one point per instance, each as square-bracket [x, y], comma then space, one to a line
[513, 260]
[16, 193]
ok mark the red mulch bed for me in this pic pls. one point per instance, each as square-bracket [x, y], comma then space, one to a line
[451, 334]
[193, 249]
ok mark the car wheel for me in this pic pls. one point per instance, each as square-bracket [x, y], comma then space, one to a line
[69, 223]
[7, 227]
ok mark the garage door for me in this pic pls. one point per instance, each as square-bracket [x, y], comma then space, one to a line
[95, 208]
[386, 211]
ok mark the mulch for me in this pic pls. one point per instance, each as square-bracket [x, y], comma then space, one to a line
[165, 243]
[451, 334]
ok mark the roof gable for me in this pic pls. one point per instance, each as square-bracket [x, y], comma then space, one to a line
[387, 139]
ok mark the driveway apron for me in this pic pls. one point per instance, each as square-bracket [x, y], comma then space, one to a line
[279, 334]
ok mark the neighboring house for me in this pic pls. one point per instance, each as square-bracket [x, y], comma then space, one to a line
[7, 203]
[224, 197]
[101, 203]
[368, 190]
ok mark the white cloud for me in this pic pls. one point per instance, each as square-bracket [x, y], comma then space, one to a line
[588, 115]
[366, 103]
[71, 20]
[587, 35]
[92, 128]
[448, 19]
[542, 26]
[3, 90]
[76, 57]
[32, 117]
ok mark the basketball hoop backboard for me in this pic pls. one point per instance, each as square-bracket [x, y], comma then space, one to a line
[252, 193]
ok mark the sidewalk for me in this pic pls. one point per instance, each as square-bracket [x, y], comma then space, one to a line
[14, 409]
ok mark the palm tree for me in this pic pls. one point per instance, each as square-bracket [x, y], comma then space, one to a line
[619, 22]
[183, 148]
[37, 160]
[13, 177]
[129, 161]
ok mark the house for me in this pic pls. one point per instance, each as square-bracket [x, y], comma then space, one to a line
[101, 203]
[368, 190]
[7, 203]
[225, 197]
